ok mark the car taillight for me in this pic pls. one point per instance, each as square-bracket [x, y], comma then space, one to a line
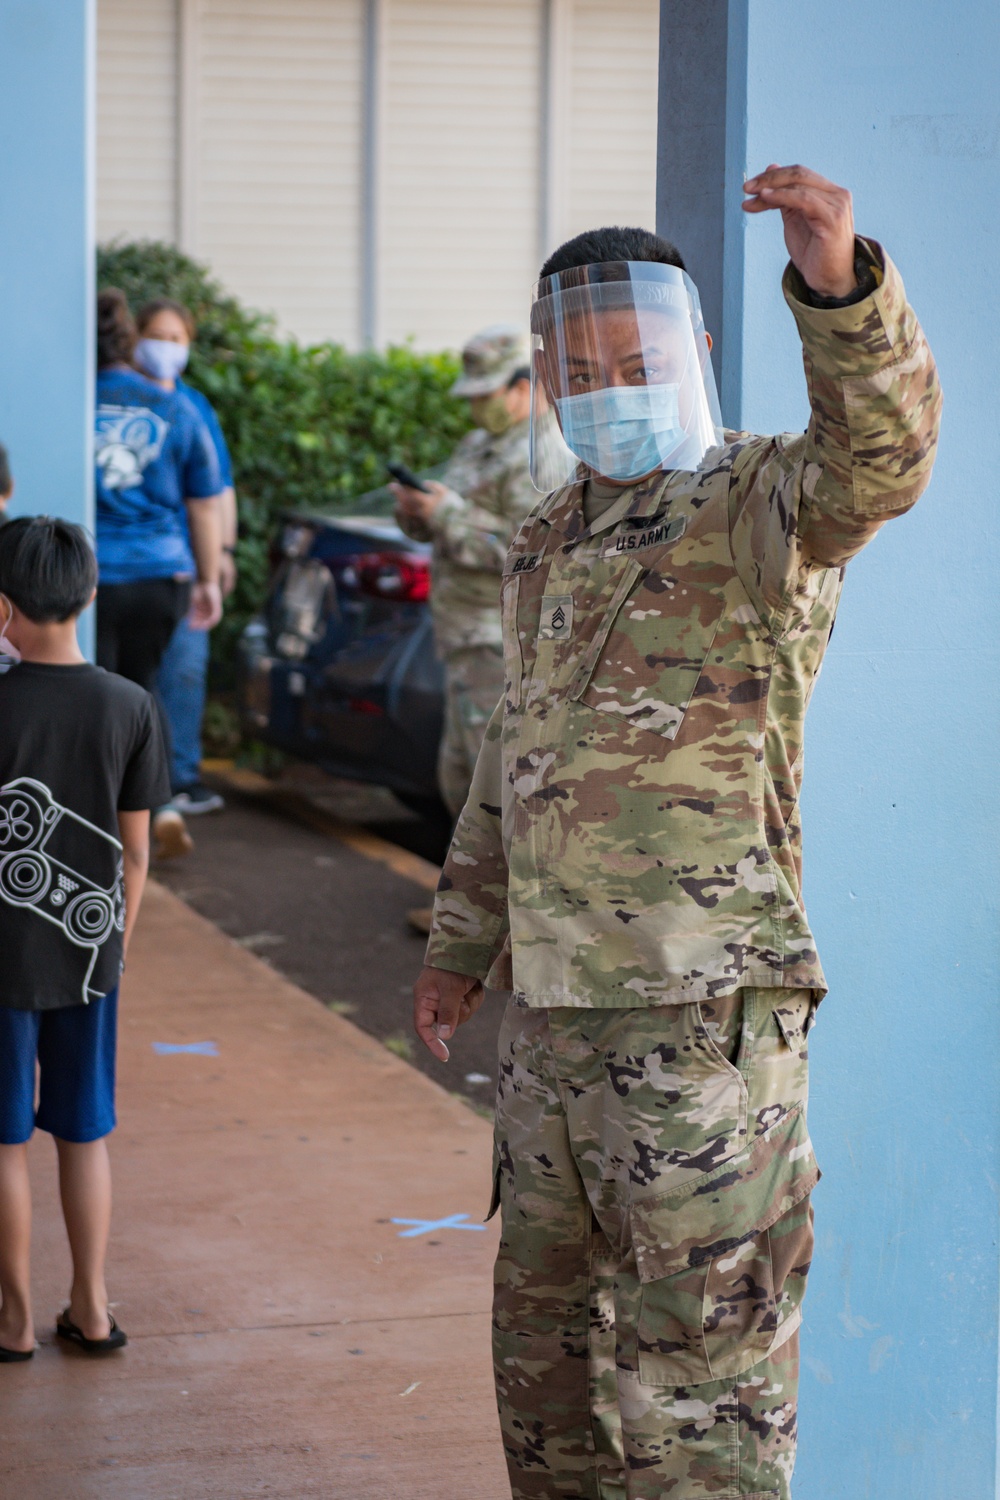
[393, 575]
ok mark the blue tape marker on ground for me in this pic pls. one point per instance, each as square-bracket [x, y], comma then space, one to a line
[198, 1049]
[427, 1226]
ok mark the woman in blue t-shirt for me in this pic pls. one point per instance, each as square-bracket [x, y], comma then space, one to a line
[166, 332]
[158, 523]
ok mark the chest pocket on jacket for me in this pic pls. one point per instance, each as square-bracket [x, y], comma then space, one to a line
[650, 649]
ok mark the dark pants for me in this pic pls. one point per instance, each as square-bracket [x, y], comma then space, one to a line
[134, 624]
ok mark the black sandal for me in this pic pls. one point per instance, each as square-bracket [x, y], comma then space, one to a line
[15, 1356]
[66, 1329]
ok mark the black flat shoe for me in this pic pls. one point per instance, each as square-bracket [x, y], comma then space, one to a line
[66, 1329]
[15, 1356]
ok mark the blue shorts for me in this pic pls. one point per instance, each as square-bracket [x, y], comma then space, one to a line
[75, 1049]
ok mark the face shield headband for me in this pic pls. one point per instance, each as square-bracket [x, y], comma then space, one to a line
[621, 376]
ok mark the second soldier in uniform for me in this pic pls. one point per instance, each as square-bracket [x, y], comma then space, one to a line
[470, 519]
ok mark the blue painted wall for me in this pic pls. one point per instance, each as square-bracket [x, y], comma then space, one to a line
[899, 1391]
[46, 254]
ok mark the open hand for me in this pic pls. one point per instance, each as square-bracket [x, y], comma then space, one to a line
[441, 1002]
[819, 224]
[206, 605]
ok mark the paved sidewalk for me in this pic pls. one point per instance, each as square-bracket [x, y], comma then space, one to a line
[285, 1340]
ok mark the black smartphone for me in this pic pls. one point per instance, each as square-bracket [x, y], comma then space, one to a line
[406, 476]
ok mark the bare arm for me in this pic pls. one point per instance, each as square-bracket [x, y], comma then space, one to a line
[133, 830]
[229, 522]
[205, 525]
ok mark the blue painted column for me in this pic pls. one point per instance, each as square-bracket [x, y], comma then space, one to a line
[47, 255]
[899, 1390]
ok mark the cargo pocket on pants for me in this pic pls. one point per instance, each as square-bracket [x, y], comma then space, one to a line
[723, 1260]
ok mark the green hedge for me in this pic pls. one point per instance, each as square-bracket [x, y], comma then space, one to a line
[308, 426]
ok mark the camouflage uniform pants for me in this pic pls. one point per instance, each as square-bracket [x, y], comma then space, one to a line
[473, 684]
[653, 1169]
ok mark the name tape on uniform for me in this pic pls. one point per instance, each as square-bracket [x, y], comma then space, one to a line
[527, 562]
[557, 617]
[651, 536]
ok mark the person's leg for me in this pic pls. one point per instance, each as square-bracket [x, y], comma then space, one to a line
[85, 1191]
[143, 617]
[134, 624]
[109, 613]
[18, 1049]
[474, 683]
[181, 685]
[707, 1122]
[149, 612]
[76, 1051]
[553, 1336]
[685, 1125]
[453, 783]
[17, 1331]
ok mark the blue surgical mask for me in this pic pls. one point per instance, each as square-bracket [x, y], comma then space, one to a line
[7, 648]
[161, 358]
[623, 431]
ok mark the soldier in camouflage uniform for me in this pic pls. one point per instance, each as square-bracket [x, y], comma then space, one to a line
[628, 864]
[470, 518]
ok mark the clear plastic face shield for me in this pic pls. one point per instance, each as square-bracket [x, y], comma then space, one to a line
[621, 375]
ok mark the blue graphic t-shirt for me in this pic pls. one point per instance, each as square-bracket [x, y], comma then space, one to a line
[206, 411]
[153, 451]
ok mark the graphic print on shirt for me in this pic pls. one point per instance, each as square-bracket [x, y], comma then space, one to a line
[128, 440]
[45, 853]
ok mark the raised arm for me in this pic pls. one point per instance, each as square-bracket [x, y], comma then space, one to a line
[816, 499]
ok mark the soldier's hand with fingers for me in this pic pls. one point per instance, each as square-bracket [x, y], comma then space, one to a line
[441, 1002]
[818, 217]
[418, 503]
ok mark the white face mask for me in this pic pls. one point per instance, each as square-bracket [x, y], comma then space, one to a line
[161, 358]
[7, 648]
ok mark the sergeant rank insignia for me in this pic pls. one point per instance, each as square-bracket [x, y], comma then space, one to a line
[557, 617]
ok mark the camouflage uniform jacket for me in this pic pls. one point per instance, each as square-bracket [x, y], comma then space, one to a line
[632, 834]
[490, 495]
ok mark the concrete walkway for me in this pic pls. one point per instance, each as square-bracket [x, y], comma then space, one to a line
[284, 1339]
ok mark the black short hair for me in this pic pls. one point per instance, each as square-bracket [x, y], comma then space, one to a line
[116, 330]
[47, 567]
[613, 243]
[523, 372]
[6, 479]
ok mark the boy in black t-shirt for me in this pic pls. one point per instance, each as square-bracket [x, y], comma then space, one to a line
[81, 764]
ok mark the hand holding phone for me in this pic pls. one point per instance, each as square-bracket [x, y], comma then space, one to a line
[406, 476]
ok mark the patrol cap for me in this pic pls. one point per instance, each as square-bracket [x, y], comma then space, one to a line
[489, 360]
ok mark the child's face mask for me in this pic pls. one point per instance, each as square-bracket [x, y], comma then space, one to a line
[7, 647]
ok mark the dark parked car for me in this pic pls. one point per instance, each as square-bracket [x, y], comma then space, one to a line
[339, 666]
